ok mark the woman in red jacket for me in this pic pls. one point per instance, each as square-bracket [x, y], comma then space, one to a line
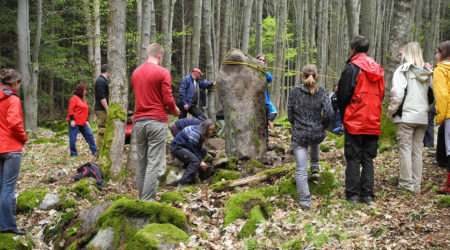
[77, 117]
[12, 138]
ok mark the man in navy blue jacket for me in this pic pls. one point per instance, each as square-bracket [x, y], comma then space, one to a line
[189, 94]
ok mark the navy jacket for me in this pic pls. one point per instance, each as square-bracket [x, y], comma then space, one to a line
[190, 139]
[185, 122]
[187, 89]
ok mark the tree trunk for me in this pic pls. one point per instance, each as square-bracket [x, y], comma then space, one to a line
[211, 107]
[196, 24]
[351, 7]
[111, 156]
[35, 62]
[152, 22]
[246, 24]
[145, 30]
[241, 86]
[166, 30]
[258, 26]
[139, 13]
[299, 8]
[89, 35]
[368, 22]
[312, 28]
[97, 50]
[432, 34]
[225, 30]
[322, 51]
[217, 35]
[280, 45]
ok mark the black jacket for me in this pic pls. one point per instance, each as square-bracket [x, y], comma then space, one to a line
[101, 88]
[346, 85]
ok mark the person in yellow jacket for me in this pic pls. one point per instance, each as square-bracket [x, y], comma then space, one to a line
[441, 89]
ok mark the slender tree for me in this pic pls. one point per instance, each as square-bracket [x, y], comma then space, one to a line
[258, 26]
[246, 24]
[196, 24]
[225, 31]
[352, 10]
[280, 45]
[368, 22]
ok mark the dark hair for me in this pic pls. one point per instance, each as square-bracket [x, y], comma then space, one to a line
[360, 44]
[204, 126]
[444, 49]
[79, 89]
[9, 77]
[104, 68]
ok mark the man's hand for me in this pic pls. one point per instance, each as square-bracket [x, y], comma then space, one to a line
[204, 107]
[87, 123]
[186, 107]
[72, 124]
[177, 112]
[204, 166]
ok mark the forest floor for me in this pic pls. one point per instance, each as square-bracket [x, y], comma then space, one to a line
[396, 219]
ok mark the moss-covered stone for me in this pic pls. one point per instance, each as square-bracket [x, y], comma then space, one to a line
[54, 230]
[325, 185]
[68, 203]
[154, 235]
[240, 205]
[255, 217]
[444, 202]
[85, 187]
[275, 171]
[208, 158]
[232, 162]
[251, 165]
[163, 179]
[12, 241]
[288, 187]
[29, 199]
[268, 191]
[220, 186]
[115, 112]
[222, 175]
[172, 196]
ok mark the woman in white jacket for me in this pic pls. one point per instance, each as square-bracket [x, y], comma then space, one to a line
[409, 103]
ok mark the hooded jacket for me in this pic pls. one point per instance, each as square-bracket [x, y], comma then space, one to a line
[12, 133]
[413, 81]
[78, 110]
[441, 89]
[309, 115]
[187, 90]
[362, 79]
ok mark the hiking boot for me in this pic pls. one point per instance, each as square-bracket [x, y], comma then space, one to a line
[444, 190]
[353, 200]
[367, 200]
[17, 231]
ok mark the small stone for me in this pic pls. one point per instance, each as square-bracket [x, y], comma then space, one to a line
[50, 201]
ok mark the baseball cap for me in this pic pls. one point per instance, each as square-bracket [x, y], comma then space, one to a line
[196, 70]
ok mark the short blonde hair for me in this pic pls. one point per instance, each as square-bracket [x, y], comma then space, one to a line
[413, 54]
[154, 50]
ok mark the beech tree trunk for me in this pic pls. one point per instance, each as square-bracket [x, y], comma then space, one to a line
[145, 30]
[97, 49]
[280, 45]
[225, 30]
[210, 73]
[258, 26]
[167, 17]
[352, 10]
[322, 50]
[196, 25]
[246, 24]
[368, 21]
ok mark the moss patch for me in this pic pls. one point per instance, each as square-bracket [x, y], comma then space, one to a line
[163, 179]
[276, 171]
[191, 190]
[48, 140]
[224, 175]
[152, 235]
[255, 217]
[324, 148]
[444, 202]
[325, 185]
[52, 231]
[85, 187]
[208, 158]
[29, 199]
[388, 130]
[11, 241]
[288, 187]
[172, 196]
[240, 205]
[68, 203]
[282, 121]
[220, 186]
[340, 142]
[251, 165]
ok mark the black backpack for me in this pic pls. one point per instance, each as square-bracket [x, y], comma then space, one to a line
[90, 169]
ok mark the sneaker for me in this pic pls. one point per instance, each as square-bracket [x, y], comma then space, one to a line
[305, 207]
[17, 231]
[444, 190]
[367, 200]
[353, 200]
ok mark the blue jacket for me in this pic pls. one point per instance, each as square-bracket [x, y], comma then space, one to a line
[268, 102]
[187, 90]
[185, 122]
[190, 138]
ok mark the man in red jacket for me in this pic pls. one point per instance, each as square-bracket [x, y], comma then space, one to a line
[359, 96]
[154, 100]
[12, 138]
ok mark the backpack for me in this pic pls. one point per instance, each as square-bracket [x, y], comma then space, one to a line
[90, 169]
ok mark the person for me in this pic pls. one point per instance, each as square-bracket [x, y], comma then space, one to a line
[360, 92]
[180, 124]
[408, 109]
[441, 86]
[153, 96]
[428, 139]
[101, 88]
[78, 120]
[187, 147]
[271, 111]
[189, 94]
[12, 139]
[337, 120]
[309, 112]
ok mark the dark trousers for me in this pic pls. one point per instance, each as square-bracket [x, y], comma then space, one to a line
[193, 110]
[191, 163]
[88, 136]
[441, 152]
[428, 139]
[360, 151]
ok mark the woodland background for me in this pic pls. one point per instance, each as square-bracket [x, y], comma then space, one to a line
[56, 44]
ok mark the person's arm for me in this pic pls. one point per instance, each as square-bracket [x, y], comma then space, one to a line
[346, 86]
[440, 90]
[72, 104]
[397, 92]
[182, 97]
[104, 104]
[14, 118]
[205, 84]
[168, 100]
[268, 77]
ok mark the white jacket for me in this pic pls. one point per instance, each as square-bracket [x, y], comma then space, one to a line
[416, 81]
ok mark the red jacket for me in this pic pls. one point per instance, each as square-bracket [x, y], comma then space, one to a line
[78, 110]
[363, 113]
[153, 93]
[12, 133]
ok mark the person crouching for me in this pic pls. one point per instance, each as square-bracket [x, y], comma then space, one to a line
[187, 147]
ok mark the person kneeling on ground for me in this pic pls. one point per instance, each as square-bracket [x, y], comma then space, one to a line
[187, 147]
[180, 124]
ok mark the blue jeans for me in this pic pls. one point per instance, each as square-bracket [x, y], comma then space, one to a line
[87, 134]
[9, 172]
[301, 171]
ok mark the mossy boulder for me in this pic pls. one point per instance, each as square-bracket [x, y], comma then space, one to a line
[251, 165]
[86, 188]
[68, 203]
[220, 185]
[12, 241]
[125, 217]
[29, 199]
[154, 236]
[222, 175]
[287, 187]
[172, 196]
[324, 186]
[444, 202]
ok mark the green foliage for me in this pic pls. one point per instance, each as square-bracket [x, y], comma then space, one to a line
[29, 199]
[85, 187]
[11, 241]
[68, 203]
[324, 148]
[325, 185]
[340, 142]
[444, 202]
[152, 235]
[172, 196]
[283, 121]
[224, 175]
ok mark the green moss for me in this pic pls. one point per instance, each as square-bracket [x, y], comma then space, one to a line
[324, 165]
[281, 204]
[239, 205]
[252, 245]
[252, 164]
[276, 171]
[12, 241]
[222, 155]
[325, 185]
[204, 235]
[191, 190]
[208, 158]
[340, 142]
[63, 192]
[231, 165]
[163, 179]
[224, 175]
[288, 187]
[388, 130]
[324, 148]
[47, 140]
[255, 217]
[50, 231]
[115, 112]
[84, 188]
[283, 121]
[385, 144]
[220, 186]
[444, 202]
[268, 191]
[29, 199]
[172, 196]
[152, 235]
[68, 203]
[331, 136]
